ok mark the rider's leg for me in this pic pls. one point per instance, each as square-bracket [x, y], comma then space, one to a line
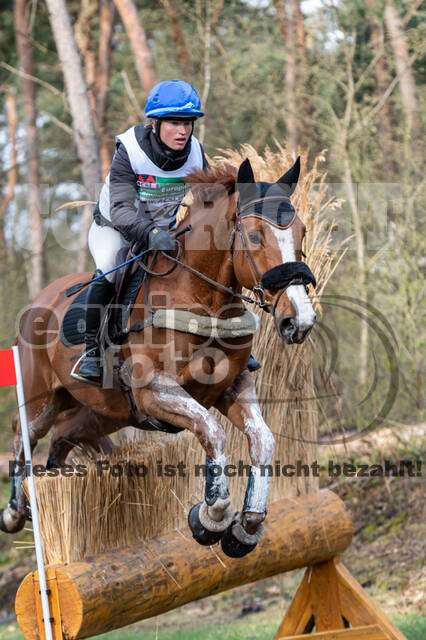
[99, 294]
[104, 244]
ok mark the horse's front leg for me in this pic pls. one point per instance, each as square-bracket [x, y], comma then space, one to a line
[239, 404]
[166, 400]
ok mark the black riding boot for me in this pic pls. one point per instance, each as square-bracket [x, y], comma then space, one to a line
[99, 294]
[253, 364]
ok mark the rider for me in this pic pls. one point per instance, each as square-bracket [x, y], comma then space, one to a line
[138, 201]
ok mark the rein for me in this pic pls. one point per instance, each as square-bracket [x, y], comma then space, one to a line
[177, 262]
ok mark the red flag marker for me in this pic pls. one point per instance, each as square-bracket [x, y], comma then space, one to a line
[7, 368]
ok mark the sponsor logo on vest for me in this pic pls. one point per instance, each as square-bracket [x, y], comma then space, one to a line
[145, 178]
[157, 188]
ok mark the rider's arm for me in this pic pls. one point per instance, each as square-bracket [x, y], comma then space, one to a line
[132, 222]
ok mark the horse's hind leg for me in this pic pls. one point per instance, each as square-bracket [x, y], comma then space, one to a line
[239, 404]
[41, 415]
[78, 425]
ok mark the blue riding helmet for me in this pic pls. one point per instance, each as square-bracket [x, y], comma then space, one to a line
[173, 98]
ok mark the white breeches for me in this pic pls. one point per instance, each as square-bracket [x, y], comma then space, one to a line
[104, 244]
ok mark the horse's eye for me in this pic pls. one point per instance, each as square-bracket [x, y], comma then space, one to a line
[255, 237]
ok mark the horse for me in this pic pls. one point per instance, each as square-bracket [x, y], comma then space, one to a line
[237, 233]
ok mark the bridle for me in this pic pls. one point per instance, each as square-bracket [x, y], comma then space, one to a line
[257, 288]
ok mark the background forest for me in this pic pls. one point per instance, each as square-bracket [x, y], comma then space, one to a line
[341, 79]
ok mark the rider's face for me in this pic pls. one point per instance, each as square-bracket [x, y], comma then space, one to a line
[175, 133]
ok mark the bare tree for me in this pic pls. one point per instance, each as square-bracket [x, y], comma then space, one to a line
[288, 20]
[12, 176]
[36, 271]
[304, 107]
[138, 42]
[83, 126]
[356, 215]
[97, 69]
[382, 80]
[84, 40]
[407, 85]
[178, 38]
[280, 13]
[209, 28]
[108, 16]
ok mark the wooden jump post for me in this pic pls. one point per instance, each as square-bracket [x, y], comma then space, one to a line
[117, 588]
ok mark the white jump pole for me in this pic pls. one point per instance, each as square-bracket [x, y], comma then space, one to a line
[33, 498]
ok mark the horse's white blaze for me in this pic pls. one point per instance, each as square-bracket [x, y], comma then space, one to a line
[305, 315]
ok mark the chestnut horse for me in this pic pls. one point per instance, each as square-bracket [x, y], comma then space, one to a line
[241, 234]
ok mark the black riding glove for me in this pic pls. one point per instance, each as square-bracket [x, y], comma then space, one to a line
[161, 240]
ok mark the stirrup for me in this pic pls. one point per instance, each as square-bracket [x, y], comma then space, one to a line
[77, 376]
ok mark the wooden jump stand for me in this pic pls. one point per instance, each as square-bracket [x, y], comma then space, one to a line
[330, 599]
[116, 588]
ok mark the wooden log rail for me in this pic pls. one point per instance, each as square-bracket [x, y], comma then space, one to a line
[119, 587]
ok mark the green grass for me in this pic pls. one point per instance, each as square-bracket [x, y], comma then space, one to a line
[412, 625]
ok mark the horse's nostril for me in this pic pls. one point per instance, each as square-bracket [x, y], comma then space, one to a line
[287, 326]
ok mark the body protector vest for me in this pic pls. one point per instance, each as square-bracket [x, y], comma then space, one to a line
[160, 191]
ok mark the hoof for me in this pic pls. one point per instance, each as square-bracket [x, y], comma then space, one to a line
[11, 521]
[233, 547]
[202, 535]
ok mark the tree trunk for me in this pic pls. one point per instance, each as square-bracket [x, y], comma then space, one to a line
[12, 176]
[178, 38]
[356, 216]
[407, 86]
[385, 122]
[288, 21]
[108, 16]
[84, 40]
[304, 106]
[83, 127]
[290, 75]
[279, 8]
[36, 275]
[207, 76]
[209, 28]
[361, 274]
[138, 42]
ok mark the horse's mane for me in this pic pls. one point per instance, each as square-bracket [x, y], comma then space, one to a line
[206, 186]
[215, 177]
